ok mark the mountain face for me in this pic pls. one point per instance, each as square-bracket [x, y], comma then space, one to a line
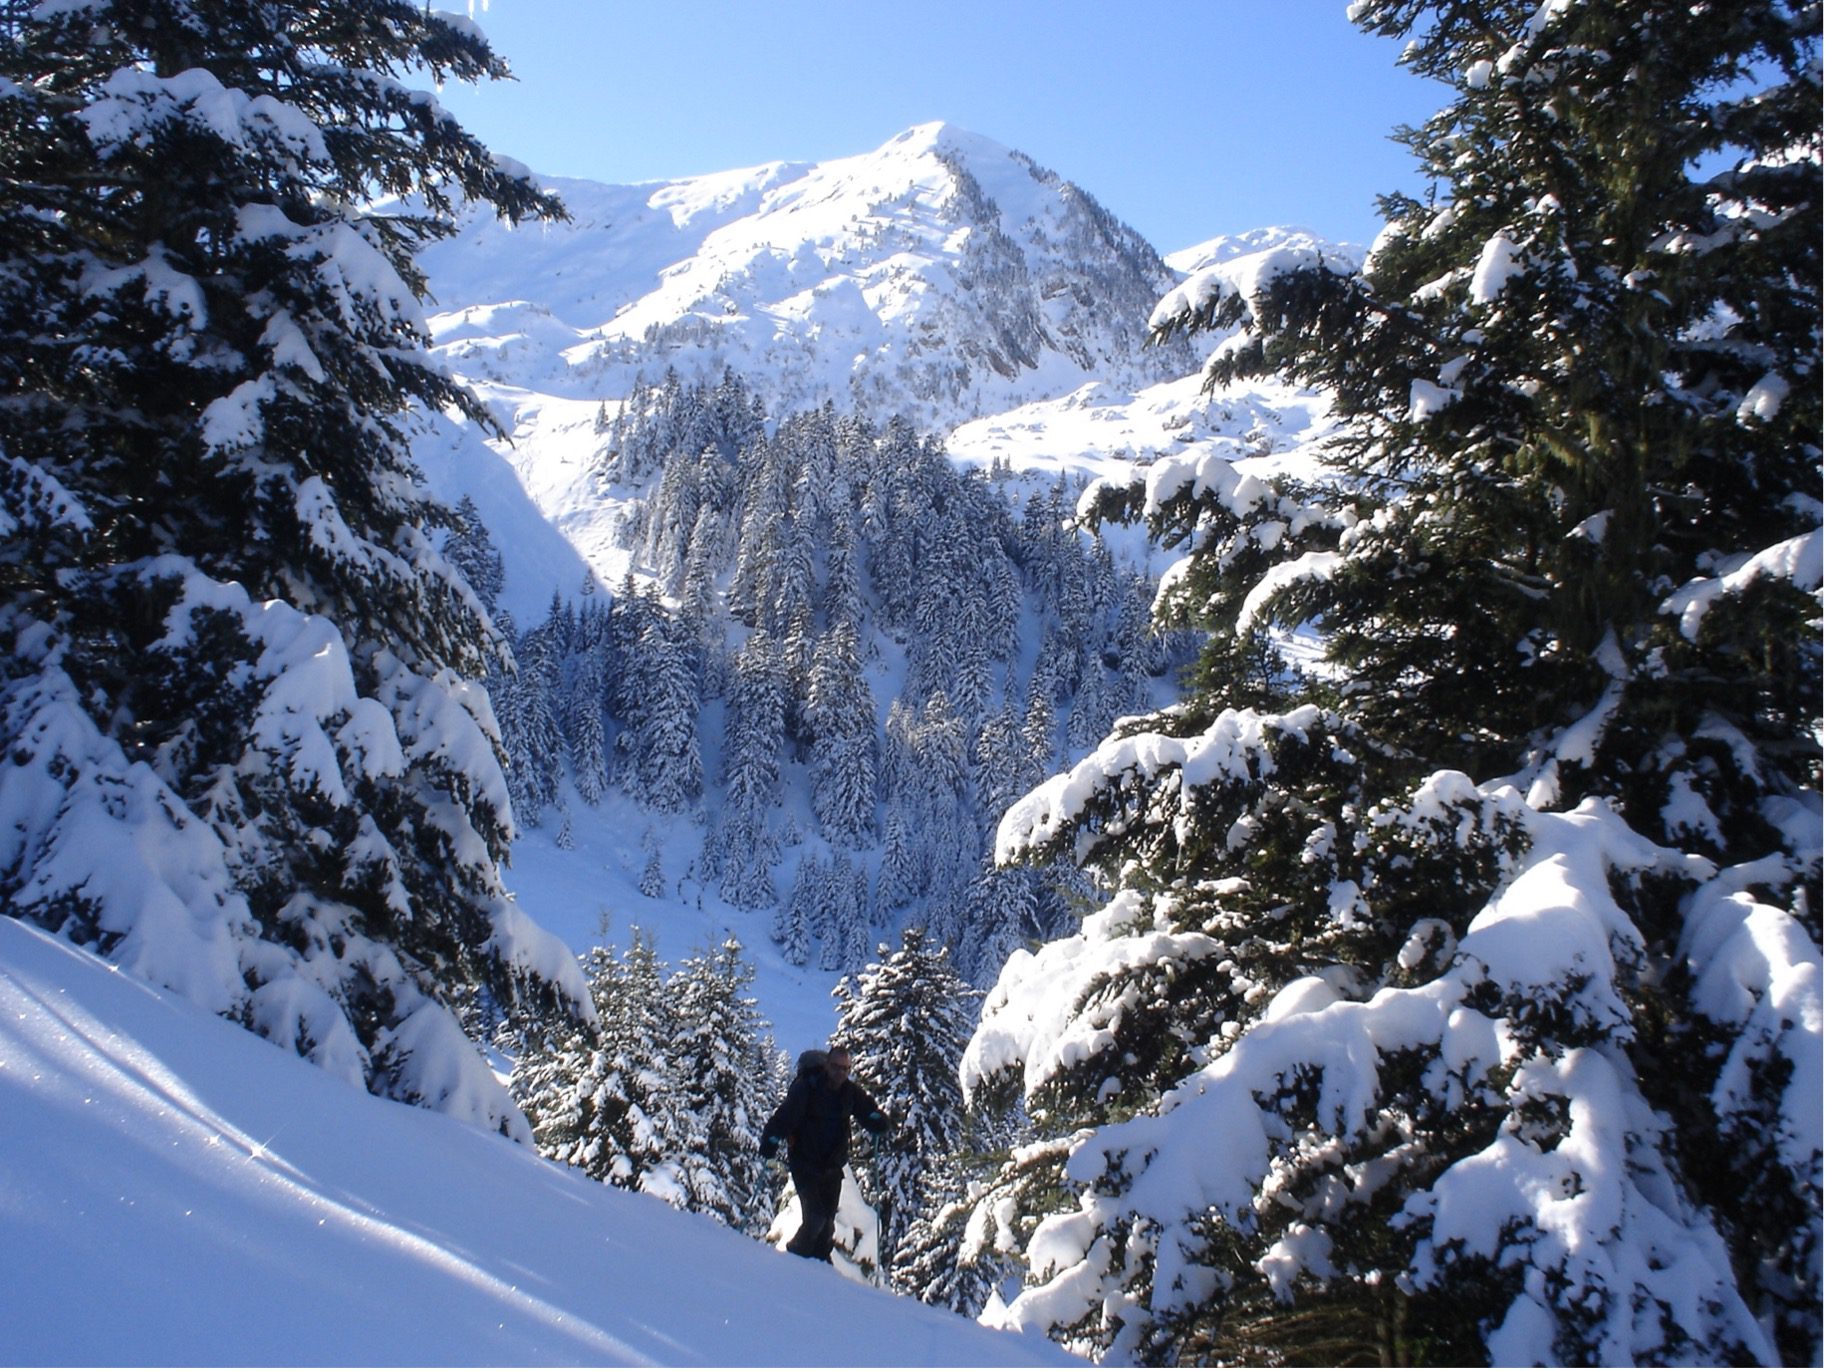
[1247, 252]
[940, 277]
[661, 363]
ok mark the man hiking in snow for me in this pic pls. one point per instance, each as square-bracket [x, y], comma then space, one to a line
[814, 1122]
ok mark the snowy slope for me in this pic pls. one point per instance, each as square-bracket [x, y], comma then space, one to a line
[1243, 252]
[942, 276]
[1100, 431]
[177, 1191]
[1107, 431]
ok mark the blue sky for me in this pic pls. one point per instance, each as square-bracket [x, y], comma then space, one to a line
[1185, 118]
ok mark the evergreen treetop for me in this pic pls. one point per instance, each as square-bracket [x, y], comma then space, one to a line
[215, 322]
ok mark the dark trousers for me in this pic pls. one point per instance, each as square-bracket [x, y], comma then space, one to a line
[819, 1190]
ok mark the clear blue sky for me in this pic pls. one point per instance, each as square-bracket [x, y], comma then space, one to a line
[1184, 118]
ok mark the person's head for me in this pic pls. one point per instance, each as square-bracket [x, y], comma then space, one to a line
[837, 1063]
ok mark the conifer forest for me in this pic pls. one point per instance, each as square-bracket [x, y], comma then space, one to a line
[1294, 769]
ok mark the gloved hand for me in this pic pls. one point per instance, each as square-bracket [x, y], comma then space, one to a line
[769, 1146]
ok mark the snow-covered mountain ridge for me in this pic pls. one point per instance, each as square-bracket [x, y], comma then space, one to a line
[1244, 251]
[941, 276]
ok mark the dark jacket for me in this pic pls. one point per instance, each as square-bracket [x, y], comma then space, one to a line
[814, 1119]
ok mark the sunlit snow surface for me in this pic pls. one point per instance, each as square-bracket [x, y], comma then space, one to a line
[941, 275]
[175, 1191]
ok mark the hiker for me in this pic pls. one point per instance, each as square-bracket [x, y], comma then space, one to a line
[814, 1122]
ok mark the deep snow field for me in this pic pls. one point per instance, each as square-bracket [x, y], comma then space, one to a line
[177, 1191]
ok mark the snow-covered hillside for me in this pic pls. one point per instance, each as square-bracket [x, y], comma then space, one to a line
[1245, 252]
[178, 1192]
[942, 276]
[546, 324]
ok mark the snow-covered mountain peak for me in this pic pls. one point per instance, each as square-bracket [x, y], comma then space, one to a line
[1246, 260]
[941, 139]
[716, 194]
[1231, 247]
[938, 134]
[940, 275]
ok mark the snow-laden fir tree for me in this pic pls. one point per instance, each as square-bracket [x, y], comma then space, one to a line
[898, 876]
[1463, 1002]
[607, 1103]
[1004, 914]
[848, 883]
[552, 1062]
[586, 738]
[845, 928]
[624, 693]
[653, 870]
[245, 753]
[725, 1079]
[531, 704]
[906, 1021]
[473, 552]
[843, 596]
[1000, 771]
[840, 716]
[927, 1266]
[753, 737]
[668, 770]
[1090, 717]
[796, 918]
